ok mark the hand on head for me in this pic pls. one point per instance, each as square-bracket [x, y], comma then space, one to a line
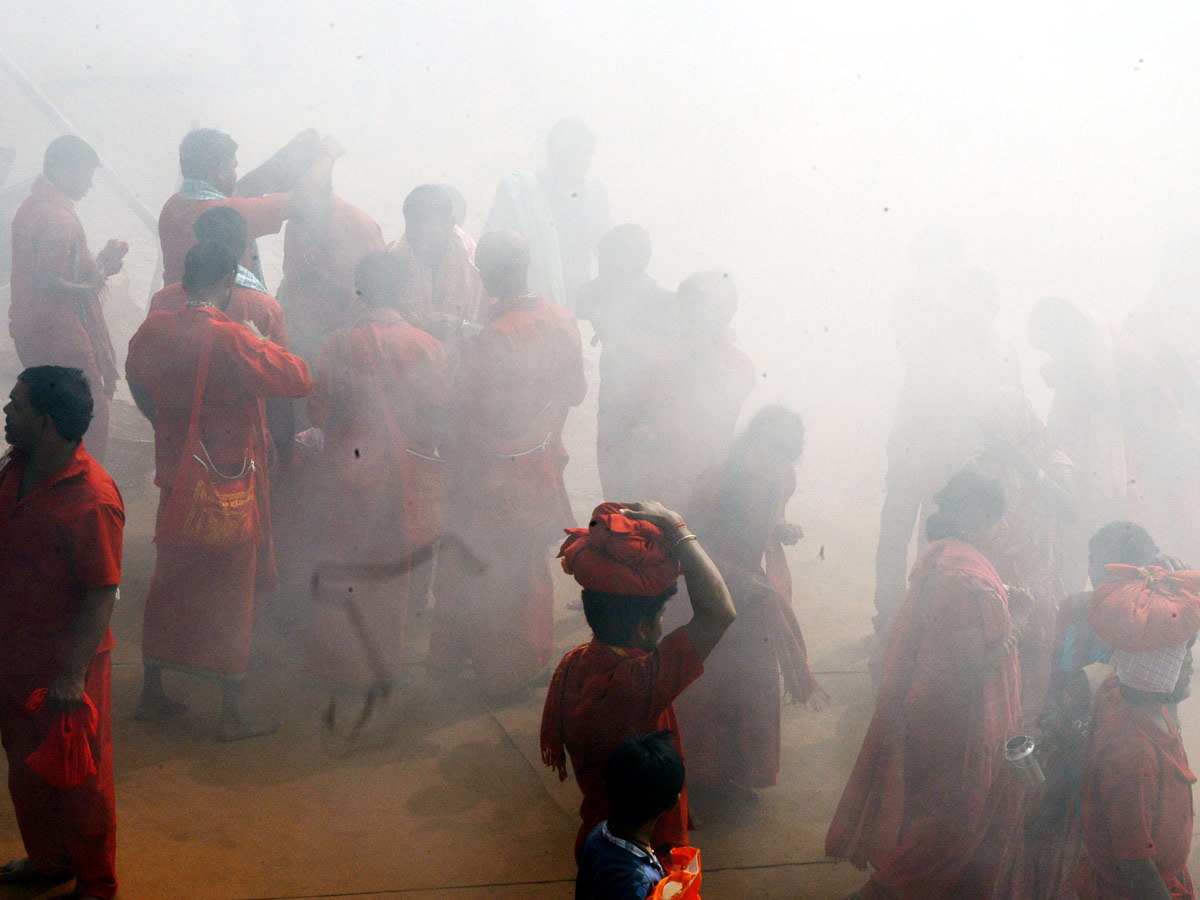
[653, 512]
[1170, 563]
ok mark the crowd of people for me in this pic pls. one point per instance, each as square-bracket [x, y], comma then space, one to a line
[387, 426]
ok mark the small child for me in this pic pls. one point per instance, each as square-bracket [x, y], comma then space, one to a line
[644, 778]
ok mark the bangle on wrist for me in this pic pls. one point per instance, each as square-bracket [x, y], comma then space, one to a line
[686, 537]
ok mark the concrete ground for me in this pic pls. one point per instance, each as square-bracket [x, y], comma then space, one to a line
[459, 805]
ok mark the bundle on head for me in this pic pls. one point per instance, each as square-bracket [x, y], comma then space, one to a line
[1148, 615]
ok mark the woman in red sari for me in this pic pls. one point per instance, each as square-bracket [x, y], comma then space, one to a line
[730, 717]
[930, 803]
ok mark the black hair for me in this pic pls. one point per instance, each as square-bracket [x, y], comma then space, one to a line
[1122, 542]
[429, 201]
[644, 777]
[206, 265]
[628, 245]
[63, 394]
[502, 253]
[969, 502]
[380, 278]
[69, 152]
[225, 225]
[614, 618]
[203, 152]
[776, 426]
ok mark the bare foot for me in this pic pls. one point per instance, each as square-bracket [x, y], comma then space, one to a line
[242, 727]
[21, 871]
[155, 709]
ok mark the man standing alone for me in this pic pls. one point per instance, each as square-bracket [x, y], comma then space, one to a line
[61, 525]
[56, 317]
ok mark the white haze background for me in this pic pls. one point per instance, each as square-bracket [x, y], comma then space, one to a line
[800, 146]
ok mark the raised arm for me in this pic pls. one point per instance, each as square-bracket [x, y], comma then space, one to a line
[712, 607]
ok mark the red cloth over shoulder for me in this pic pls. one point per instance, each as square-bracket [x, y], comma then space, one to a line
[1146, 608]
[64, 758]
[619, 555]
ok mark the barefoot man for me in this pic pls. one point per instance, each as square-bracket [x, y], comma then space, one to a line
[200, 607]
[61, 524]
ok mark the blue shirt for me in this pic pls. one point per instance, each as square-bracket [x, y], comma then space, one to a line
[613, 869]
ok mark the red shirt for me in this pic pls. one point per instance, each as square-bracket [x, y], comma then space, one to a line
[526, 370]
[511, 398]
[164, 357]
[60, 540]
[612, 693]
[381, 356]
[319, 258]
[176, 232]
[49, 327]
[1137, 800]
[248, 305]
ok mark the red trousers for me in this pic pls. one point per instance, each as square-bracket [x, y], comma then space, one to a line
[66, 832]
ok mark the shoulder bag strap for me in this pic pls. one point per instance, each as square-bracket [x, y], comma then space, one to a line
[206, 347]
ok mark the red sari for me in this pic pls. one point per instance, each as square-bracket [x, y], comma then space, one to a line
[730, 718]
[379, 394]
[930, 802]
[1136, 799]
[200, 607]
[506, 501]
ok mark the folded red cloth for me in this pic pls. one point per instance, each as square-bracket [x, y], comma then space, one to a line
[619, 555]
[64, 758]
[1147, 608]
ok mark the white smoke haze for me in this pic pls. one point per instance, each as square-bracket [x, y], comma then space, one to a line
[801, 147]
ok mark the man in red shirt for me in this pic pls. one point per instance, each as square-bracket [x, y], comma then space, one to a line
[506, 500]
[251, 302]
[1137, 786]
[61, 523]
[625, 681]
[200, 607]
[208, 160]
[56, 317]
[322, 244]
[380, 394]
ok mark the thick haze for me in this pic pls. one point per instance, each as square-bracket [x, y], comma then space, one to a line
[800, 147]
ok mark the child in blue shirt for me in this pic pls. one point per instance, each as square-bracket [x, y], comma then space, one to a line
[643, 778]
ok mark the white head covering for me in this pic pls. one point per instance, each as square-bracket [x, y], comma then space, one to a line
[1156, 671]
